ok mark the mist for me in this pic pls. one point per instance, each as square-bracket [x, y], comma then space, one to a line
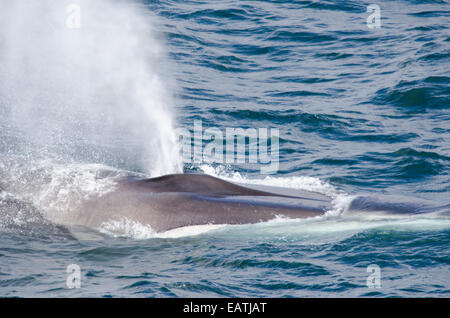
[81, 81]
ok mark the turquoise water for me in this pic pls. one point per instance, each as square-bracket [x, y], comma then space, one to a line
[363, 116]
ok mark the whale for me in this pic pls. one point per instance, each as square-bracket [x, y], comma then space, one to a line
[189, 199]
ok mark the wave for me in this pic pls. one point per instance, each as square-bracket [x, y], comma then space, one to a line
[416, 96]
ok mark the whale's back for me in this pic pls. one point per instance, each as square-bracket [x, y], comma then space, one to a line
[180, 200]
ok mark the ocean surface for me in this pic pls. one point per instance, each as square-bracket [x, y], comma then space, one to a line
[362, 113]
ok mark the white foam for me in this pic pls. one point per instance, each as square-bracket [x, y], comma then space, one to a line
[192, 230]
[340, 204]
[74, 182]
[294, 182]
[58, 189]
[340, 200]
[125, 227]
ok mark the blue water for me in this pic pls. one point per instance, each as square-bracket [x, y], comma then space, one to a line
[362, 112]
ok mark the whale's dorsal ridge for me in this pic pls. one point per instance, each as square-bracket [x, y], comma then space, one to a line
[197, 183]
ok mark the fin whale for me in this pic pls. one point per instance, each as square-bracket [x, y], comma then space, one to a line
[179, 200]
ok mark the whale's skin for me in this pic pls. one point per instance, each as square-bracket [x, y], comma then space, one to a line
[180, 200]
